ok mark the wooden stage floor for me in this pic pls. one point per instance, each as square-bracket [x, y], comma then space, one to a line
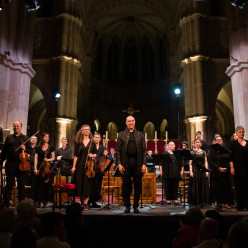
[155, 225]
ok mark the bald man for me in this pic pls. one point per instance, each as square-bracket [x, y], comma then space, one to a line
[131, 160]
[11, 153]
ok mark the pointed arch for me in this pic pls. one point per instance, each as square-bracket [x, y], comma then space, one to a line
[163, 126]
[149, 128]
[112, 131]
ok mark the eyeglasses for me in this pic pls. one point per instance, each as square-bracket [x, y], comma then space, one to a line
[218, 140]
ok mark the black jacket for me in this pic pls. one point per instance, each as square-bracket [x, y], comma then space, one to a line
[121, 148]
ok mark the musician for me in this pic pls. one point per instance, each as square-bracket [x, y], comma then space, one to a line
[131, 160]
[171, 170]
[11, 153]
[64, 154]
[239, 160]
[30, 176]
[85, 149]
[150, 164]
[185, 161]
[101, 151]
[203, 142]
[221, 191]
[44, 157]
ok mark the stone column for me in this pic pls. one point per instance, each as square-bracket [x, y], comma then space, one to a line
[15, 80]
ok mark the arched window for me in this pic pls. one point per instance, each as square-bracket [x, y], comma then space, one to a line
[130, 61]
[113, 62]
[149, 128]
[112, 131]
[98, 61]
[163, 126]
[148, 61]
[162, 56]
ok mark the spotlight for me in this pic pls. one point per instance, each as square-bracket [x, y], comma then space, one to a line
[178, 90]
[1, 5]
[32, 5]
[56, 94]
[239, 3]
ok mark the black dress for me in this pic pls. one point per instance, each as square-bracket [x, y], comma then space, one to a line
[84, 186]
[221, 190]
[239, 157]
[198, 184]
[44, 184]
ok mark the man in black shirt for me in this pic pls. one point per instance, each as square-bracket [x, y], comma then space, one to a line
[131, 160]
[12, 148]
[64, 155]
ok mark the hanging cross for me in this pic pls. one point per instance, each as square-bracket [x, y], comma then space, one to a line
[130, 110]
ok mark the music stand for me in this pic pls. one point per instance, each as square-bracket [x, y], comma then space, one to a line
[182, 155]
[159, 159]
[107, 170]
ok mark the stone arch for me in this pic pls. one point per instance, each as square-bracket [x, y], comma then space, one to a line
[163, 126]
[112, 131]
[37, 111]
[224, 112]
[149, 128]
[97, 125]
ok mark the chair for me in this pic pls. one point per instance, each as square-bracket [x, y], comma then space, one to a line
[59, 189]
[183, 188]
[111, 189]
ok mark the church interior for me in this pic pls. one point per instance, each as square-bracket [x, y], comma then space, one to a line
[177, 66]
[109, 59]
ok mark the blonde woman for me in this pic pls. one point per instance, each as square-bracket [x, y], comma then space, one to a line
[85, 148]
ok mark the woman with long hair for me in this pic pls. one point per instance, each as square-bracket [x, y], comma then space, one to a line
[198, 168]
[239, 168]
[44, 156]
[85, 150]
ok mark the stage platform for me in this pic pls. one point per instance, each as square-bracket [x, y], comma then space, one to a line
[155, 225]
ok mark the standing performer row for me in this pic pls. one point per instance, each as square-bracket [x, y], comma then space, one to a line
[213, 170]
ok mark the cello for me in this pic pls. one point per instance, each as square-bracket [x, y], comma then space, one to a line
[60, 179]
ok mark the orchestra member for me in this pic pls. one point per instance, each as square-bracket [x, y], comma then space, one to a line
[203, 142]
[11, 150]
[185, 161]
[131, 160]
[100, 152]
[44, 157]
[171, 170]
[149, 162]
[85, 150]
[199, 172]
[112, 156]
[221, 191]
[64, 154]
[239, 169]
[31, 177]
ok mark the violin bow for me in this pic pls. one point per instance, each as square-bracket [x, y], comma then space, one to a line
[26, 141]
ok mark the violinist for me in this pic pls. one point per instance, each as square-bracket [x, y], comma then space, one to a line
[11, 153]
[44, 156]
[64, 154]
[101, 152]
[85, 151]
[30, 176]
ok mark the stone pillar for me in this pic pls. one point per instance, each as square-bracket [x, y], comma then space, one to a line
[15, 80]
[238, 69]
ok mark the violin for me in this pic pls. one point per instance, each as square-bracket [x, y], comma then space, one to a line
[103, 163]
[90, 172]
[46, 172]
[25, 161]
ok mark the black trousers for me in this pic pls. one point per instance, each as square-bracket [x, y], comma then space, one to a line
[127, 185]
[241, 190]
[12, 171]
[171, 188]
